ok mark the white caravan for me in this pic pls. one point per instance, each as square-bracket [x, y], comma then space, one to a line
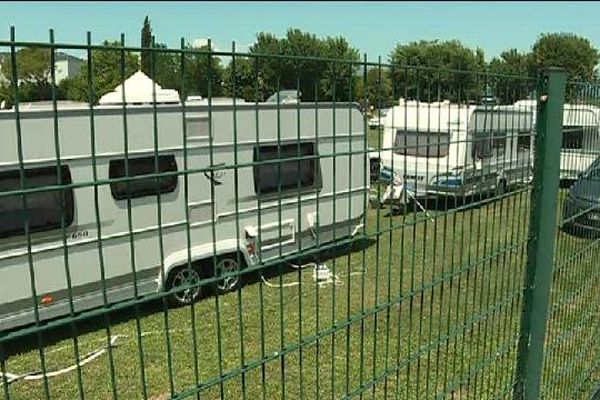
[580, 140]
[440, 148]
[134, 236]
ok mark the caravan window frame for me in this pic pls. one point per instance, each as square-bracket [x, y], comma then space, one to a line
[262, 170]
[524, 139]
[424, 148]
[38, 208]
[139, 166]
[586, 136]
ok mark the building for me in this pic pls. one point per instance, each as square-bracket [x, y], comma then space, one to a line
[66, 66]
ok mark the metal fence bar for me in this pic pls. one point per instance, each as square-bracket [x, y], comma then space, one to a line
[428, 307]
[542, 231]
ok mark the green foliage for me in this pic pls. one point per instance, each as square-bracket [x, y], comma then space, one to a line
[338, 81]
[106, 66]
[573, 53]
[6, 95]
[425, 70]
[33, 76]
[304, 74]
[33, 65]
[239, 80]
[146, 42]
[28, 91]
[163, 67]
[203, 72]
[378, 89]
[109, 69]
[453, 78]
[512, 76]
[316, 76]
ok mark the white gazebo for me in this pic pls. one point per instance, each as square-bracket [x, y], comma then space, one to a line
[139, 90]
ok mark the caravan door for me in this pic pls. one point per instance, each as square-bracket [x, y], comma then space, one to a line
[200, 194]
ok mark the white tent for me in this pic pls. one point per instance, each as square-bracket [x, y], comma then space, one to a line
[138, 89]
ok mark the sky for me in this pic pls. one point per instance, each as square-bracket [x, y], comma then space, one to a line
[372, 27]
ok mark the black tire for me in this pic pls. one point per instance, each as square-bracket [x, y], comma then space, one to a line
[232, 264]
[184, 275]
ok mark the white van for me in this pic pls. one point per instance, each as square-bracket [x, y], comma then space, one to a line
[432, 149]
[124, 238]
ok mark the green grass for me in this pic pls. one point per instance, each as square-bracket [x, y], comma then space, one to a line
[375, 138]
[434, 305]
[434, 315]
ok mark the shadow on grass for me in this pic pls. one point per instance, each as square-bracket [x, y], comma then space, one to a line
[443, 203]
[448, 203]
[355, 246]
[147, 307]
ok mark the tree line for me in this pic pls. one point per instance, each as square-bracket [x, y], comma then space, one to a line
[322, 69]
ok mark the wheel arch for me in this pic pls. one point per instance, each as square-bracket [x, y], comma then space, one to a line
[201, 253]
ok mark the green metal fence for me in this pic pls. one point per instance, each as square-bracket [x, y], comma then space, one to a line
[570, 362]
[274, 248]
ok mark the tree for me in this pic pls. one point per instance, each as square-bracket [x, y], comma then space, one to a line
[455, 76]
[202, 72]
[33, 66]
[338, 76]
[512, 76]
[146, 42]
[300, 61]
[240, 80]
[110, 68]
[166, 67]
[301, 73]
[378, 89]
[573, 53]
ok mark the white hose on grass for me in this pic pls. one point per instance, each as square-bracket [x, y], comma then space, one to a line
[35, 376]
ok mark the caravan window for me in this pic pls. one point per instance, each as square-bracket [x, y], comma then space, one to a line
[421, 144]
[499, 142]
[286, 174]
[43, 210]
[579, 137]
[524, 140]
[483, 145]
[143, 187]
[572, 137]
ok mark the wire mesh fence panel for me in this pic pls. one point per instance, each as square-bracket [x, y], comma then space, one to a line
[571, 367]
[283, 227]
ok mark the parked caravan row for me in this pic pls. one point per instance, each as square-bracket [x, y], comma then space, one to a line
[432, 149]
[245, 186]
[441, 148]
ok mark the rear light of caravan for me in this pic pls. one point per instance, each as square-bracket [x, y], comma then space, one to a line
[46, 300]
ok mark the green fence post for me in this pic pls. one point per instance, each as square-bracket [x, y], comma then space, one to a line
[542, 232]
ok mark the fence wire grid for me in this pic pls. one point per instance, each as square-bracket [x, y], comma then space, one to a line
[297, 228]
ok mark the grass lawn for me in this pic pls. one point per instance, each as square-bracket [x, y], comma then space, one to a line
[426, 306]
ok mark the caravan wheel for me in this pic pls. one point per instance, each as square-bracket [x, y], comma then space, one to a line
[181, 277]
[228, 265]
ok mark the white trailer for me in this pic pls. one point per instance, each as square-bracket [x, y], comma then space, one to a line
[120, 239]
[581, 137]
[432, 149]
